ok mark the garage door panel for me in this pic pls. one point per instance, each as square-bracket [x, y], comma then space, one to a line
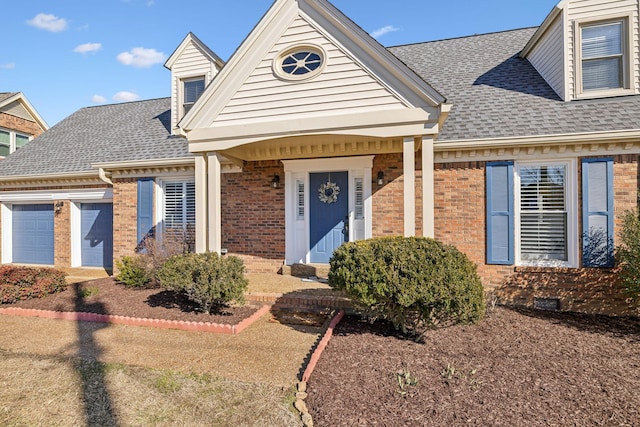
[33, 234]
[97, 234]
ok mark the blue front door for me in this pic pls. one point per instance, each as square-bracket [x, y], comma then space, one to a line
[97, 235]
[329, 213]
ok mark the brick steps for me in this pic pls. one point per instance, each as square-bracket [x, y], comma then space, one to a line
[302, 302]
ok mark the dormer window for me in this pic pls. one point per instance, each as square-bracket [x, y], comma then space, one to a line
[604, 63]
[192, 89]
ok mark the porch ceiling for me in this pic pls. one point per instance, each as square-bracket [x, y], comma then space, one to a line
[315, 146]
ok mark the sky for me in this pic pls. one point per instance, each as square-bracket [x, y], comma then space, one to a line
[68, 54]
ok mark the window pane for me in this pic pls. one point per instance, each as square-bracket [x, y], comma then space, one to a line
[190, 204]
[5, 143]
[602, 57]
[21, 140]
[602, 40]
[192, 91]
[543, 213]
[602, 74]
[173, 205]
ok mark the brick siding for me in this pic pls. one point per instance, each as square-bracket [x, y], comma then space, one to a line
[19, 125]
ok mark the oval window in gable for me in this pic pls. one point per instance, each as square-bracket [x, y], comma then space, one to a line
[299, 63]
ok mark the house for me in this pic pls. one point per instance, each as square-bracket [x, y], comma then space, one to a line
[19, 122]
[519, 147]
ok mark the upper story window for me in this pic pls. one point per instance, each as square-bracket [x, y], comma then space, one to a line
[10, 141]
[299, 63]
[192, 89]
[604, 58]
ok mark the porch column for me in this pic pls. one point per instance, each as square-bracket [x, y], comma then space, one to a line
[428, 188]
[214, 205]
[201, 203]
[408, 161]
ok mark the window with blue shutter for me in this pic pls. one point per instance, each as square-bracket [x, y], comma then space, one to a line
[145, 208]
[597, 212]
[500, 213]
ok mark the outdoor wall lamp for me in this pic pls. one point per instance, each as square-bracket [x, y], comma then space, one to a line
[58, 206]
[275, 182]
[380, 178]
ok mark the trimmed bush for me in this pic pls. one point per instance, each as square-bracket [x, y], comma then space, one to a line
[134, 272]
[209, 280]
[412, 282]
[21, 283]
[629, 254]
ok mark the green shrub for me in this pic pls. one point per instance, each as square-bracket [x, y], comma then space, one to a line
[207, 279]
[134, 271]
[21, 283]
[628, 253]
[412, 282]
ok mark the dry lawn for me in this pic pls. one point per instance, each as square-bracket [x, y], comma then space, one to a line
[55, 391]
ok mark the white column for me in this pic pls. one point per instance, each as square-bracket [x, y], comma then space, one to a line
[201, 204]
[409, 164]
[214, 205]
[428, 188]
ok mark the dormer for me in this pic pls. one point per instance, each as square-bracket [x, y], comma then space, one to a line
[588, 49]
[193, 66]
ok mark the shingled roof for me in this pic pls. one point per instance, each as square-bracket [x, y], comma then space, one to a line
[111, 133]
[497, 94]
[6, 95]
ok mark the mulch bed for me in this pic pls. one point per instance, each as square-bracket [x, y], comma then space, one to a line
[515, 368]
[116, 299]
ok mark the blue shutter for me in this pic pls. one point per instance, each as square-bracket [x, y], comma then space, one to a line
[597, 212]
[500, 220]
[145, 207]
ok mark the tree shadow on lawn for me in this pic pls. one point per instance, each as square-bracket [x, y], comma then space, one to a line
[97, 402]
[626, 327]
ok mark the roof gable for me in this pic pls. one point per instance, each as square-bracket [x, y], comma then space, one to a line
[17, 104]
[360, 75]
[192, 40]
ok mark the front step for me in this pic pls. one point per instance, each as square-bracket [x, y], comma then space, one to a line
[307, 270]
[302, 302]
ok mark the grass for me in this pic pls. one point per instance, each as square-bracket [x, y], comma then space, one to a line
[49, 390]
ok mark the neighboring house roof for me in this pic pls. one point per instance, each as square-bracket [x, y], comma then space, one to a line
[497, 94]
[111, 133]
[7, 100]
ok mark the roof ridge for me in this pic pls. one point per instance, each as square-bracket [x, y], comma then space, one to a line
[125, 103]
[463, 37]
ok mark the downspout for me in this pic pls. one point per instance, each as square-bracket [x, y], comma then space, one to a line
[103, 176]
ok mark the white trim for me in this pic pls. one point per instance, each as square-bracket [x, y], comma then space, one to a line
[37, 196]
[297, 248]
[159, 199]
[75, 216]
[7, 233]
[409, 170]
[428, 188]
[214, 205]
[276, 64]
[571, 193]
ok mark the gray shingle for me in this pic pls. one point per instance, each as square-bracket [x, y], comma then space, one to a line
[495, 93]
[6, 95]
[111, 133]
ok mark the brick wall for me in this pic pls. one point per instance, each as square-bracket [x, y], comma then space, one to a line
[460, 220]
[19, 124]
[253, 216]
[125, 217]
[62, 235]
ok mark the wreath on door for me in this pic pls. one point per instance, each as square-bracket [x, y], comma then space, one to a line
[329, 192]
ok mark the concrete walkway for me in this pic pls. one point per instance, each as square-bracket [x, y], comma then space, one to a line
[267, 352]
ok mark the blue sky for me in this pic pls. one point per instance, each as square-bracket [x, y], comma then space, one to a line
[68, 54]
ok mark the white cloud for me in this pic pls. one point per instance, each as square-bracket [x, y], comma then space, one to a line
[98, 99]
[88, 48]
[48, 22]
[140, 57]
[8, 66]
[384, 30]
[125, 96]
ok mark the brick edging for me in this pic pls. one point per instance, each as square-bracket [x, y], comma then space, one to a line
[313, 361]
[134, 321]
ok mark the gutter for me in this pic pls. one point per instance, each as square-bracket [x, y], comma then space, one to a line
[52, 176]
[179, 161]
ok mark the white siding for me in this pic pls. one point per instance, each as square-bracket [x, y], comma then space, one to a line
[548, 57]
[17, 109]
[191, 63]
[586, 10]
[342, 87]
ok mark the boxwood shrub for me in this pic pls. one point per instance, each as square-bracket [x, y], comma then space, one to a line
[208, 279]
[413, 282]
[21, 283]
